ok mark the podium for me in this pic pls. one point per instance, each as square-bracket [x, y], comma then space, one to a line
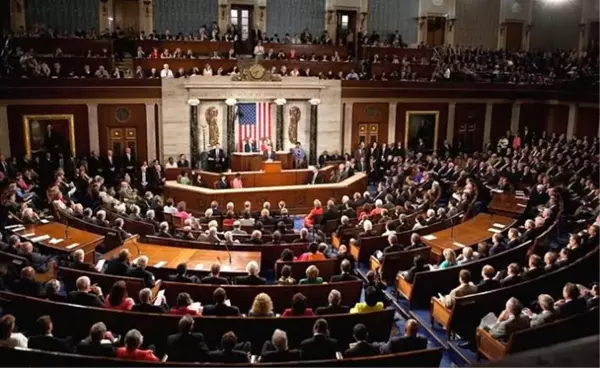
[272, 166]
[253, 161]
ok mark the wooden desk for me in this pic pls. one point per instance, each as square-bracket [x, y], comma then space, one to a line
[467, 233]
[254, 179]
[507, 204]
[87, 241]
[192, 257]
[297, 197]
[253, 161]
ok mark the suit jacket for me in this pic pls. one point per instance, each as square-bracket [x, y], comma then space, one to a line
[28, 287]
[267, 156]
[503, 330]
[533, 273]
[542, 318]
[212, 280]
[410, 275]
[88, 347]
[401, 344]
[142, 274]
[318, 347]
[461, 290]
[126, 162]
[87, 299]
[187, 347]
[316, 179]
[510, 280]
[280, 356]
[150, 308]
[332, 309]
[48, 343]
[82, 266]
[116, 267]
[330, 215]
[250, 280]
[487, 285]
[361, 349]
[234, 356]
[343, 277]
[572, 308]
[220, 310]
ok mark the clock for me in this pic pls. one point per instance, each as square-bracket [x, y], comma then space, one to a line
[256, 71]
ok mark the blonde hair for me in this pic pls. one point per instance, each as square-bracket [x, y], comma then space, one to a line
[312, 272]
[262, 305]
[317, 203]
[449, 255]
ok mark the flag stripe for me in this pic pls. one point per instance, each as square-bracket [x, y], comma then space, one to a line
[254, 121]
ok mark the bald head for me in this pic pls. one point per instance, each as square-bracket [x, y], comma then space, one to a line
[410, 328]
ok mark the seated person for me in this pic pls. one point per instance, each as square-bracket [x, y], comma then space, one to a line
[86, 294]
[52, 291]
[512, 275]
[98, 343]
[548, 313]
[418, 266]
[487, 282]
[409, 342]
[186, 346]
[334, 306]
[345, 275]
[228, 354]
[132, 351]
[119, 265]
[278, 349]
[78, 262]
[27, 284]
[118, 226]
[536, 268]
[393, 246]
[449, 259]
[361, 347]
[215, 278]
[139, 271]
[117, 297]
[298, 307]
[343, 254]
[320, 345]
[221, 307]
[39, 262]
[145, 305]
[181, 275]
[370, 304]
[572, 303]
[286, 276]
[467, 255]
[312, 276]
[466, 287]
[262, 306]
[313, 253]
[511, 320]
[252, 278]
[45, 340]
[415, 242]
[185, 305]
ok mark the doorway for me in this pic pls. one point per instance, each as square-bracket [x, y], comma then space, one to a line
[367, 133]
[346, 23]
[121, 138]
[436, 31]
[127, 16]
[241, 18]
[514, 36]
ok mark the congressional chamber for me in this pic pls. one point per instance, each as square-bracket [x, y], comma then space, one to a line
[375, 183]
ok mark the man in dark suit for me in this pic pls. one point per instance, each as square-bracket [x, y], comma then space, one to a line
[183, 162]
[512, 277]
[182, 275]
[156, 177]
[409, 342]
[187, 346]
[331, 213]
[220, 308]
[572, 303]
[487, 280]
[86, 294]
[217, 159]
[119, 265]
[334, 307]
[278, 349]
[128, 162]
[141, 272]
[214, 277]
[320, 346]
[362, 347]
[78, 263]
[222, 183]
[345, 268]
[228, 354]
[109, 168]
[95, 344]
[250, 145]
[536, 268]
[145, 306]
[269, 154]
[45, 340]
[27, 285]
[316, 177]
[252, 278]
[39, 262]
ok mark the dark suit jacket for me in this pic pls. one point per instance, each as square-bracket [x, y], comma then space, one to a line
[82, 266]
[401, 344]
[487, 285]
[410, 275]
[362, 349]
[511, 280]
[48, 343]
[220, 310]
[267, 156]
[343, 277]
[116, 267]
[572, 308]
[250, 280]
[280, 356]
[28, 287]
[234, 356]
[332, 309]
[318, 347]
[214, 280]
[150, 308]
[87, 299]
[142, 274]
[187, 348]
[318, 179]
[533, 273]
[87, 347]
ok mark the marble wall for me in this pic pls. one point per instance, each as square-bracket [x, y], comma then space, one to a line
[214, 91]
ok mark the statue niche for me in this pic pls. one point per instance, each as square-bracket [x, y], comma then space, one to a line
[211, 115]
[295, 116]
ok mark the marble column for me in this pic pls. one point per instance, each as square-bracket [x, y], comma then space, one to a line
[572, 120]
[451, 118]
[94, 137]
[348, 107]
[392, 122]
[151, 132]
[4, 142]
[487, 125]
[279, 135]
[515, 117]
[194, 144]
[314, 110]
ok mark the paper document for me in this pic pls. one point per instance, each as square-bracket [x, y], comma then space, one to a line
[459, 244]
[521, 205]
[44, 221]
[429, 237]
[40, 238]
[71, 246]
[492, 230]
[521, 197]
[199, 267]
[159, 297]
[160, 264]
[100, 264]
[495, 224]
[55, 241]
[497, 191]
[9, 227]
[488, 320]
[17, 229]
[227, 302]
[28, 235]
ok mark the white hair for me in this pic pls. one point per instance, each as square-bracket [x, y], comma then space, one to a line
[83, 283]
[252, 268]
[367, 225]
[378, 203]
[280, 340]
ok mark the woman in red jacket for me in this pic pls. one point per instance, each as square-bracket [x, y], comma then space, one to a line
[132, 351]
[309, 220]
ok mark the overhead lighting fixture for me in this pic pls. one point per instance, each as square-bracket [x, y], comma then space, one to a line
[556, 2]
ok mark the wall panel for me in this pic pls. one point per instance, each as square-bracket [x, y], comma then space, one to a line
[501, 114]
[556, 26]
[534, 116]
[63, 14]
[587, 122]
[108, 117]
[558, 118]
[293, 16]
[477, 23]
[469, 120]
[373, 113]
[185, 16]
[388, 16]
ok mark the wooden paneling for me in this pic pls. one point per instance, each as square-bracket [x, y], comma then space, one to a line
[469, 120]
[402, 108]
[127, 14]
[558, 118]
[501, 114]
[371, 113]
[534, 116]
[587, 122]
[107, 118]
[514, 35]
[15, 125]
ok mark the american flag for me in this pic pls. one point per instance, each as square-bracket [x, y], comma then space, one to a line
[254, 121]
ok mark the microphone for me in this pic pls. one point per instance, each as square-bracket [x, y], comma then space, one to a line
[228, 252]
[137, 247]
[67, 230]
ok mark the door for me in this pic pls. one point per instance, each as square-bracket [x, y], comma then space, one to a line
[346, 22]
[127, 16]
[241, 19]
[514, 36]
[367, 133]
[121, 138]
[436, 30]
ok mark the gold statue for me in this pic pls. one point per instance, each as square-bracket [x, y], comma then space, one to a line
[213, 126]
[295, 116]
